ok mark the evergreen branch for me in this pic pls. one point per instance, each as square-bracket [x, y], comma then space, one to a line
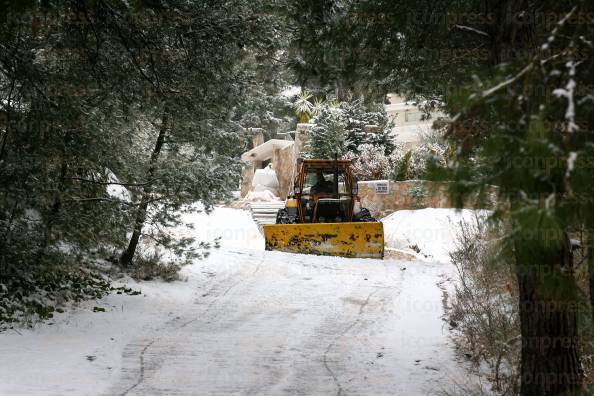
[113, 183]
[472, 30]
[530, 66]
[102, 199]
[133, 58]
[507, 82]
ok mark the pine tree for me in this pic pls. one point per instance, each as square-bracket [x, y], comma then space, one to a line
[327, 137]
[367, 126]
[96, 95]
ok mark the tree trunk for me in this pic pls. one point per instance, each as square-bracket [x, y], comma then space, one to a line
[8, 112]
[128, 255]
[590, 253]
[550, 359]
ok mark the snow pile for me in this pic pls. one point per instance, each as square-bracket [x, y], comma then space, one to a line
[261, 196]
[117, 190]
[265, 180]
[234, 227]
[431, 232]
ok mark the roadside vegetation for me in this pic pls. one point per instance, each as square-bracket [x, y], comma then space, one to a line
[114, 116]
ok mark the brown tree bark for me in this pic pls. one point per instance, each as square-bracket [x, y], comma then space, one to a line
[550, 358]
[128, 255]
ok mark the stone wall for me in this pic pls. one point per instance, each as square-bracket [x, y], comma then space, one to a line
[404, 195]
[247, 175]
[283, 163]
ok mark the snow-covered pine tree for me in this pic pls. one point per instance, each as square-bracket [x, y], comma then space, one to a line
[341, 127]
[327, 136]
[367, 125]
[99, 95]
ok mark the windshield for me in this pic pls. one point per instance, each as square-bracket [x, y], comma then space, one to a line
[321, 181]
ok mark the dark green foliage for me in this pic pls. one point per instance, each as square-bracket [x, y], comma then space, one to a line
[154, 268]
[327, 136]
[26, 296]
[402, 171]
[359, 118]
[524, 129]
[131, 95]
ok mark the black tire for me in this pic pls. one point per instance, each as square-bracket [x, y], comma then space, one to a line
[364, 216]
[282, 217]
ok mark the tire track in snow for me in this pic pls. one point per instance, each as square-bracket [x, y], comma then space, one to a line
[142, 354]
[153, 341]
[141, 375]
[345, 332]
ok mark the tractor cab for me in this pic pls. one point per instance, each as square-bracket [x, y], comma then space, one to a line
[325, 192]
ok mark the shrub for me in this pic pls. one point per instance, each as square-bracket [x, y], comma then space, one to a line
[29, 296]
[371, 163]
[415, 163]
[149, 268]
[403, 167]
[482, 309]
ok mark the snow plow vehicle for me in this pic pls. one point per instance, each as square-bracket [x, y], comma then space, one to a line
[324, 215]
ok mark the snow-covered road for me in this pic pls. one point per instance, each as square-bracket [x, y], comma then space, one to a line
[248, 322]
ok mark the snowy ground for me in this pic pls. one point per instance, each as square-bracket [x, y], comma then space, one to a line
[246, 321]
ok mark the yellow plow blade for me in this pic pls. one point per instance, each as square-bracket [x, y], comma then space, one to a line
[364, 240]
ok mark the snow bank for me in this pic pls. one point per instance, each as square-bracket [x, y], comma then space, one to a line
[433, 231]
[235, 228]
[261, 196]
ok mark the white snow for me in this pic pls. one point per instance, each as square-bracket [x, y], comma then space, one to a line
[568, 93]
[248, 321]
[265, 180]
[116, 190]
[471, 29]
[433, 231]
[571, 163]
[291, 91]
[235, 227]
[261, 196]
[507, 82]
